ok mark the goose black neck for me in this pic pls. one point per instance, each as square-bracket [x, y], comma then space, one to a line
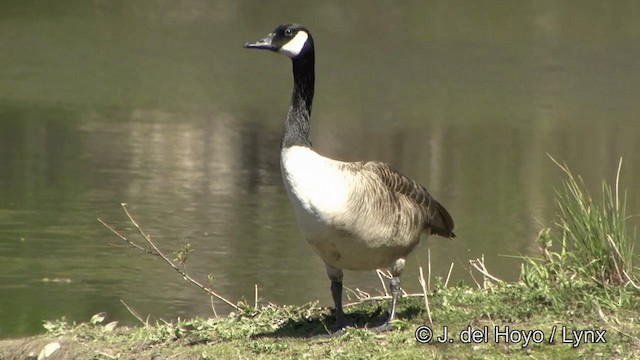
[297, 127]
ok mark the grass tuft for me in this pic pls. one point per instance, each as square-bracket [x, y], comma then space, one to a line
[595, 245]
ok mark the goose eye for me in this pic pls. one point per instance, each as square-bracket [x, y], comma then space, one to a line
[288, 32]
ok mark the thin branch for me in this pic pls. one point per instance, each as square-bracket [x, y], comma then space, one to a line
[362, 294]
[168, 261]
[478, 264]
[426, 298]
[446, 282]
[356, 293]
[125, 238]
[156, 251]
[135, 314]
[384, 287]
[474, 278]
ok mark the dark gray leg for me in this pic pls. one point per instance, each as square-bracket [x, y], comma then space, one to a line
[336, 292]
[394, 284]
[395, 293]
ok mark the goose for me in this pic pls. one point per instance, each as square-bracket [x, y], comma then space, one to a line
[360, 215]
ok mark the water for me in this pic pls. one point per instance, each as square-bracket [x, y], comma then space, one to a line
[157, 105]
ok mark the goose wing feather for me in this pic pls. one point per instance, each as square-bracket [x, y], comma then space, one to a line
[402, 197]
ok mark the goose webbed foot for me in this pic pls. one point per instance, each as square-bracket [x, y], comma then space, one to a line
[387, 326]
[339, 327]
[334, 332]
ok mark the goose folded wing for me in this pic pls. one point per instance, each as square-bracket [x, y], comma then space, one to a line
[437, 219]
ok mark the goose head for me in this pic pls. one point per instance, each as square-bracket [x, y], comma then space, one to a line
[292, 40]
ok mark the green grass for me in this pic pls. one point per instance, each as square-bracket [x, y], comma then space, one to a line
[595, 232]
[595, 244]
[273, 332]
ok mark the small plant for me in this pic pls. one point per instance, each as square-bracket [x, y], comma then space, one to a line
[554, 268]
[57, 327]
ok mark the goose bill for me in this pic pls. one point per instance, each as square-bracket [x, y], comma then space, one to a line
[263, 44]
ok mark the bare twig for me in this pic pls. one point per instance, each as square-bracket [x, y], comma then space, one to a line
[255, 298]
[380, 292]
[474, 279]
[388, 275]
[362, 294]
[428, 269]
[125, 238]
[426, 298]
[446, 282]
[357, 293]
[478, 264]
[384, 287]
[156, 251]
[135, 314]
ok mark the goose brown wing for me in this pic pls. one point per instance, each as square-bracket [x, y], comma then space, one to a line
[437, 218]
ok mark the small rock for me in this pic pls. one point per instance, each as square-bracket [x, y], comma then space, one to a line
[110, 326]
[49, 349]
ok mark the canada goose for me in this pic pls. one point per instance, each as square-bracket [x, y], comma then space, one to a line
[356, 215]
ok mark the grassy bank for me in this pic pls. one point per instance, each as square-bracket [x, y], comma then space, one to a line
[579, 299]
[273, 332]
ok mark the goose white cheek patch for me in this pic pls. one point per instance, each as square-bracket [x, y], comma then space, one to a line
[295, 45]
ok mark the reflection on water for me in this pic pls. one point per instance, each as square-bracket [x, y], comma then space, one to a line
[155, 104]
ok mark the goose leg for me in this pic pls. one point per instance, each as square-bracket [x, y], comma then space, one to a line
[336, 292]
[335, 275]
[394, 284]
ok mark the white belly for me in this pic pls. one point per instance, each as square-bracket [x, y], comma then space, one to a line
[320, 193]
[347, 252]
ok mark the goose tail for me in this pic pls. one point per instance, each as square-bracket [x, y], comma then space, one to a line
[441, 222]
